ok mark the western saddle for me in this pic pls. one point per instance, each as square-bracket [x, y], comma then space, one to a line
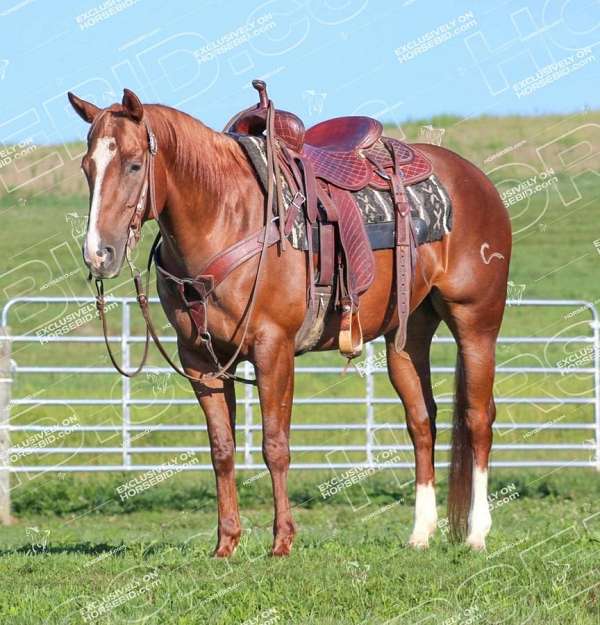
[322, 167]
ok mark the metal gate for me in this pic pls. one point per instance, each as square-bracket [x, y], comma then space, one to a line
[363, 442]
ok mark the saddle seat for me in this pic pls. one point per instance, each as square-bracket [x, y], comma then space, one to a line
[336, 135]
[344, 134]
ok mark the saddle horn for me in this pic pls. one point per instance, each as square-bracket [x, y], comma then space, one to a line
[261, 87]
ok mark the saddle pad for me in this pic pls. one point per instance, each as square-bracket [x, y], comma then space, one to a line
[431, 209]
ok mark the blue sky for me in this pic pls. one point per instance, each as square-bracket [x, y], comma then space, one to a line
[321, 58]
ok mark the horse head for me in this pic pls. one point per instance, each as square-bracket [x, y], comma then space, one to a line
[117, 166]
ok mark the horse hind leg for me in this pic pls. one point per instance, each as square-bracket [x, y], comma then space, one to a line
[475, 328]
[410, 375]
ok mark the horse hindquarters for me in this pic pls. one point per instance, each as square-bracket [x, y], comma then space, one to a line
[470, 296]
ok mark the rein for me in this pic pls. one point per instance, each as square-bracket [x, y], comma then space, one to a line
[258, 243]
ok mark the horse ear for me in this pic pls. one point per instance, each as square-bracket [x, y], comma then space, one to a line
[86, 110]
[132, 105]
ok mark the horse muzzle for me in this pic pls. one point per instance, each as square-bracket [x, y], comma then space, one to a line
[104, 262]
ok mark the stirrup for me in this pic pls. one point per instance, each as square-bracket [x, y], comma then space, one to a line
[350, 338]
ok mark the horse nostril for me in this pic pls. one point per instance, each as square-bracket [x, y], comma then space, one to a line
[106, 254]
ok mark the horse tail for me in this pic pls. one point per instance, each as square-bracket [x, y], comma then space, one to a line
[460, 479]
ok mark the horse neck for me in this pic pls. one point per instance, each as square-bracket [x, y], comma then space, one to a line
[207, 190]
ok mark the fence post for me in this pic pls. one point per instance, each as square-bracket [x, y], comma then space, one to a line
[596, 361]
[5, 382]
[370, 364]
[248, 417]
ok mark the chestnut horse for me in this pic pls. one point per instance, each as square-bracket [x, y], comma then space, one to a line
[207, 197]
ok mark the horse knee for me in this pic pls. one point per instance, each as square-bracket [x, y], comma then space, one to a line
[478, 419]
[276, 451]
[222, 454]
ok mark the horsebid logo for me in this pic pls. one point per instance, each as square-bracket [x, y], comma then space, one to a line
[553, 72]
[156, 476]
[528, 187]
[358, 474]
[137, 587]
[71, 321]
[436, 37]
[576, 359]
[12, 153]
[102, 12]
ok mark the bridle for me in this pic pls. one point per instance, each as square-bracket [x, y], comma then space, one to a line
[145, 204]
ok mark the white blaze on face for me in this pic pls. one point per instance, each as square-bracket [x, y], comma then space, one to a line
[425, 515]
[480, 519]
[101, 156]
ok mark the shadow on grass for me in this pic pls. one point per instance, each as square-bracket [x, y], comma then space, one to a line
[90, 549]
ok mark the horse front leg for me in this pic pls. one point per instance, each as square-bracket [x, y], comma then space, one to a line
[217, 399]
[274, 363]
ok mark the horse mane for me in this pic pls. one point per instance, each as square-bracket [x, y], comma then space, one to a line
[197, 151]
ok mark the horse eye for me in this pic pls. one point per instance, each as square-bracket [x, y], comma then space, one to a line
[135, 167]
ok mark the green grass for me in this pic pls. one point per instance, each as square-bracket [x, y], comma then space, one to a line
[349, 564]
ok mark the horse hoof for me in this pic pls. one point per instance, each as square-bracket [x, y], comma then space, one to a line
[223, 552]
[419, 541]
[476, 542]
[281, 552]
[282, 547]
[226, 549]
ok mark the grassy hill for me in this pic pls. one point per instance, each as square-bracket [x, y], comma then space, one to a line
[43, 193]
[487, 141]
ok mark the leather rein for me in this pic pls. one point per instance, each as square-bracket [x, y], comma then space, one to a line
[216, 270]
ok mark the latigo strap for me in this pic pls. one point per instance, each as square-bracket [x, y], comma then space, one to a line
[403, 251]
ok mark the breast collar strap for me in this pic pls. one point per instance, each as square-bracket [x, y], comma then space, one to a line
[219, 266]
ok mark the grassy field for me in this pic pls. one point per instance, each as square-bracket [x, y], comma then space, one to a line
[349, 564]
[75, 543]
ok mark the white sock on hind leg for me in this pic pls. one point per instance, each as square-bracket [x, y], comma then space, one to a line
[425, 515]
[480, 519]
